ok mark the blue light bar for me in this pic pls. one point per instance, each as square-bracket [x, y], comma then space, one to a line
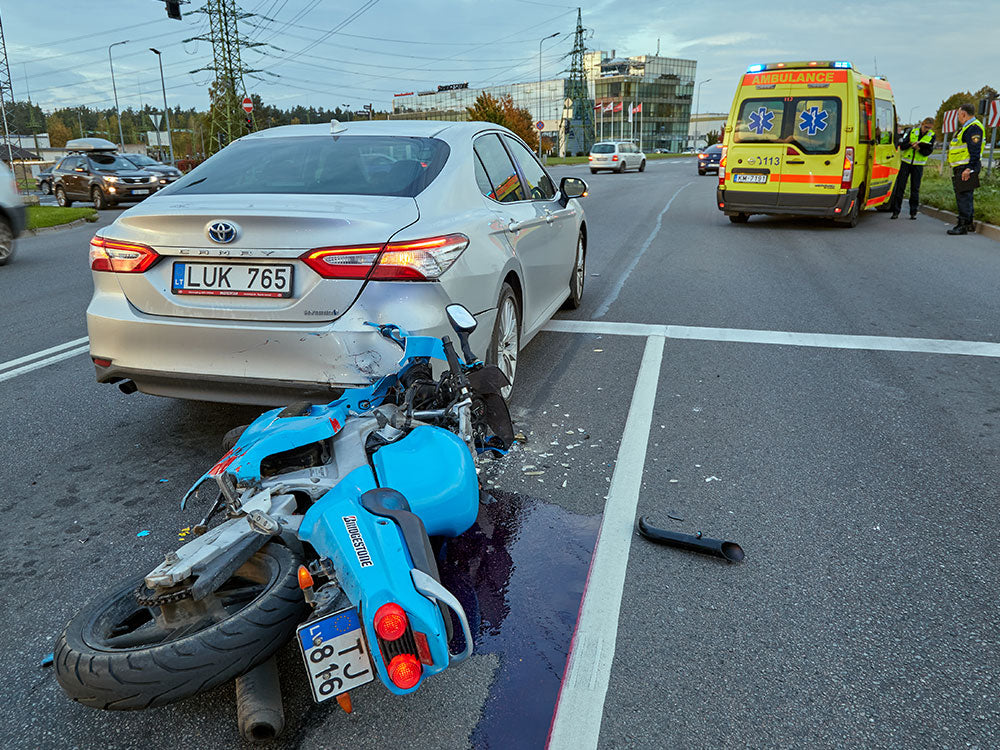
[755, 69]
[842, 64]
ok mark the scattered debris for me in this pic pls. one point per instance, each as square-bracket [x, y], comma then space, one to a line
[48, 660]
[598, 350]
[143, 533]
[159, 481]
[712, 478]
[729, 551]
[674, 518]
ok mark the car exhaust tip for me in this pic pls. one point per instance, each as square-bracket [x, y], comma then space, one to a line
[729, 551]
[128, 387]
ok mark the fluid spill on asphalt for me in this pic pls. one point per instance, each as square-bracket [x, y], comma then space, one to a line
[519, 572]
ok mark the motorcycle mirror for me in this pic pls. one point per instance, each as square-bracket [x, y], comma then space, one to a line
[461, 319]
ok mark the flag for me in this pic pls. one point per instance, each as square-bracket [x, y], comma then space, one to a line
[598, 107]
[618, 107]
[631, 109]
[637, 108]
[609, 107]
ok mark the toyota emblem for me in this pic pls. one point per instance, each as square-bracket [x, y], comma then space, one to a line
[223, 232]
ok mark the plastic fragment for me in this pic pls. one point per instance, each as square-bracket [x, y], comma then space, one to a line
[48, 660]
[160, 481]
[143, 533]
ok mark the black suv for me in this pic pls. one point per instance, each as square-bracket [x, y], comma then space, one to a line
[104, 177]
[164, 172]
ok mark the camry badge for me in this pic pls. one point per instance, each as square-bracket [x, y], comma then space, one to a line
[223, 232]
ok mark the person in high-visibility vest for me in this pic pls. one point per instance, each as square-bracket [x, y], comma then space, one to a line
[963, 155]
[916, 145]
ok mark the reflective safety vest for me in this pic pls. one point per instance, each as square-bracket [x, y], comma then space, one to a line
[958, 152]
[912, 155]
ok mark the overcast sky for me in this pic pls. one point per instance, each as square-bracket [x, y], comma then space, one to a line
[326, 53]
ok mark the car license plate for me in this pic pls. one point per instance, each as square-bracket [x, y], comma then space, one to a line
[335, 654]
[757, 178]
[232, 279]
[140, 192]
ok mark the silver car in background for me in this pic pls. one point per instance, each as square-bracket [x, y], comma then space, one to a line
[616, 156]
[252, 278]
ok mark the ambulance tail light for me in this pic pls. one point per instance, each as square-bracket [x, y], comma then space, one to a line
[722, 166]
[848, 176]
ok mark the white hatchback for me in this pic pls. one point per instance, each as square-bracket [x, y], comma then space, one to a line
[616, 156]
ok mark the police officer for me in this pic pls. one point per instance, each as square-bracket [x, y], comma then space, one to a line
[917, 145]
[963, 156]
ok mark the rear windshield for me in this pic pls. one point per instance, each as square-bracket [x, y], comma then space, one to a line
[323, 165]
[812, 124]
[603, 148]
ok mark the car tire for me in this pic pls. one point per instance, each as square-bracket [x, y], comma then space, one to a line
[45, 188]
[621, 166]
[642, 166]
[739, 218]
[97, 196]
[505, 343]
[102, 675]
[851, 220]
[593, 171]
[61, 197]
[578, 276]
[6, 243]
[701, 172]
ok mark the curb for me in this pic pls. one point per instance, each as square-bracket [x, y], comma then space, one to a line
[43, 230]
[990, 231]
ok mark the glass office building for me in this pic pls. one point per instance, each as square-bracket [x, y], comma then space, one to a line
[664, 86]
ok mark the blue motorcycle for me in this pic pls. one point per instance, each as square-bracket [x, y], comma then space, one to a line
[329, 512]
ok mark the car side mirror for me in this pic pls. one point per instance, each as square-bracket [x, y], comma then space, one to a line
[460, 318]
[572, 187]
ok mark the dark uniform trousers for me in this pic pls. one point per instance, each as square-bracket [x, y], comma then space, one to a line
[915, 173]
[965, 199]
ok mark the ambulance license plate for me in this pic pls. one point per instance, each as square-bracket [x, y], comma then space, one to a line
[756, 178]
[335, 654]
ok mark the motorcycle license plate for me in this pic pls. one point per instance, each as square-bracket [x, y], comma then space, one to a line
[335, 654]
[232, 279]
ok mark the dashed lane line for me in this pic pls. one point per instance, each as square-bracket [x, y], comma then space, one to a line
[576, 724]
[780, 338]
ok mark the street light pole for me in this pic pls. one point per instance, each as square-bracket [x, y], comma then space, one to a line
[911, 112]
[697, 108]
[540, 118]
[166, 112]
[121, 137]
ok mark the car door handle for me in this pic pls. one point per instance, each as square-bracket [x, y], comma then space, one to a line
[549, 217]
[795, 161]
[516, 226]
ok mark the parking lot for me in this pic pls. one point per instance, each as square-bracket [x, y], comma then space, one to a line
[826, 397]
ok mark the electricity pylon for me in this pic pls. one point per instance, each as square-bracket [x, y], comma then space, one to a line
[581, 125]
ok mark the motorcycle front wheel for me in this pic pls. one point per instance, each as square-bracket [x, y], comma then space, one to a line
[119, 654]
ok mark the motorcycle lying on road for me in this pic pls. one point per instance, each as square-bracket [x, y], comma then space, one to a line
[329, 515]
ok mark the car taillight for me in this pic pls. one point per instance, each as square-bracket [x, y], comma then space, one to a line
[590, 157]
[848, 176]
[722, 166]
[413, 260]
[614, 158]
[120, 257]
[404, 671]
[390, 621]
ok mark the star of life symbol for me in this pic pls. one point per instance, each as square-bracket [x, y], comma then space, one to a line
[813, 120]
[761, 120]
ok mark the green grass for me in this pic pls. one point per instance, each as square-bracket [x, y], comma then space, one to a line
[555, 160]
[51, 216]
[936, 190]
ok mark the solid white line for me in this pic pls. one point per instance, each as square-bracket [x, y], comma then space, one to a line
[52, 350]
[577, 721]
[43, 363]
[781, 338]
[610, 299]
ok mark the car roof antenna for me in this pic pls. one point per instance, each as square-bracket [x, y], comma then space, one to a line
[336, 126]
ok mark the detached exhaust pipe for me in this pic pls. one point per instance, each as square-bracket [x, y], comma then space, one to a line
[729, 551]
[258, 703]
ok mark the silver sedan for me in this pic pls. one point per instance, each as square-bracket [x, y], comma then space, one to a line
[253, 278]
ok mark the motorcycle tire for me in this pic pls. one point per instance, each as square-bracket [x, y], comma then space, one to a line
[101, 669]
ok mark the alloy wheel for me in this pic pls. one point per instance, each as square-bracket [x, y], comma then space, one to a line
[507, 342]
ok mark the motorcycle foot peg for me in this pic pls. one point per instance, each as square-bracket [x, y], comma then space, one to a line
[128, 387]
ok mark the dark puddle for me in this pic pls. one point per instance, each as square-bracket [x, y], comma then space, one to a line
[519, 572]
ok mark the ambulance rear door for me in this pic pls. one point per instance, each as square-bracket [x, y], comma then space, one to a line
[812, 165]
[885, 164]
[755, 153]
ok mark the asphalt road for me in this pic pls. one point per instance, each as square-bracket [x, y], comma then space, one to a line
[857, 474]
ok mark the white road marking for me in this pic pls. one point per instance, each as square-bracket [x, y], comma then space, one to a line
[51, 350]
[616, 290]
[580, 707]
[8, 374]
[781, 338]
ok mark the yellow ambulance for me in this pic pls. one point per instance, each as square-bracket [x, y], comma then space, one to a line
[808, 139]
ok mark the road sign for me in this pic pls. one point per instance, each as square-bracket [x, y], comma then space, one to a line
[540, 125]
[567, 102]
[247, 104]
[993, 116]
[949, 122]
